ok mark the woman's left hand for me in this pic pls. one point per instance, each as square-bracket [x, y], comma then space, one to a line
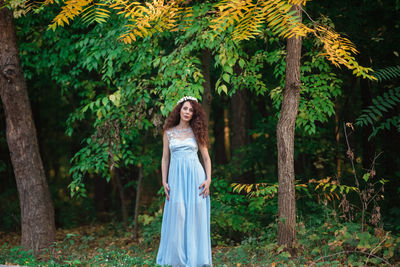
[206, 189]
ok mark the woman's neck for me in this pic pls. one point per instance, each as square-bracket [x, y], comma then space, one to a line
[183, 125]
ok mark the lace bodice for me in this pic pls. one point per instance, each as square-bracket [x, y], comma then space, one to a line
[182, 142]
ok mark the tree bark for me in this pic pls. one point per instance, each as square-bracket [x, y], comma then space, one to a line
[100, 194]
[227, 141]
[37, 212]
[239, 125]
[137, 202]
[238, 118]
[219, 131]
[121, 192]
[207, 96]
[285, 143]
[138, 190]
[337, 137]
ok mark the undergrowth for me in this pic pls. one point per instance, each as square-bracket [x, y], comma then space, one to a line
[319, 244]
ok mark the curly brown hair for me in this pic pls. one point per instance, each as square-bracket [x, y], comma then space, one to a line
[198, 123]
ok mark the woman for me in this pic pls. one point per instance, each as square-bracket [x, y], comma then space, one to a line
[185, 232]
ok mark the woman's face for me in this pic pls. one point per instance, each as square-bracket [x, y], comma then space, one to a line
[186, 111]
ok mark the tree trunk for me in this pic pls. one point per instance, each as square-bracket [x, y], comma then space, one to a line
[37, 212]
[239, 124]
[337, 137]
[207, 96]
[138, 190]
[137, 202]
[124, 206]
[238, 119]
[219, 131]
[227, 142]
[285, 142]
[100, 194]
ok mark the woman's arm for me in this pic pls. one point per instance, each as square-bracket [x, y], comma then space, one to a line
[164, 165]
[206, 160]
[207, 166]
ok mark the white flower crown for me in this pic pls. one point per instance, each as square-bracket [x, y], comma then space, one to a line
[183, 99]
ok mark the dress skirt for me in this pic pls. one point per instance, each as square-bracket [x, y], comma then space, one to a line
[185, 231]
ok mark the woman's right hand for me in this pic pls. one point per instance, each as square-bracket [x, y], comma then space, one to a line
[166, 190]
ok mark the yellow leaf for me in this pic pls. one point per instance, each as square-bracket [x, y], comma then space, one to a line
[249, 188]
[132, 36]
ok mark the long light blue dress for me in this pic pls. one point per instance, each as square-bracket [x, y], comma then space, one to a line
[185, 231]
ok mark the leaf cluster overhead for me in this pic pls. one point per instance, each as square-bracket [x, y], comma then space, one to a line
[245, 18]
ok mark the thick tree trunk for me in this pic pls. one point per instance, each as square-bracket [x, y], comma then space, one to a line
[37, 212]
[207, 96]
[285, 142]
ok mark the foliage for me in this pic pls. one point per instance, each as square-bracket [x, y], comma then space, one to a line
[320, 243]
[388, 73]
[146, 19]
[10, 206]
[19, 7]
[320, 86]
[16, 255]
[234, 217]
[108, 101]
[141, 80]
[248, 17]
[109, 88]
[328, 189]
[239, 69]
[369, 190]
[260, 189]
[111, 146]
[345, 243]
[374, 113]
[106, 245]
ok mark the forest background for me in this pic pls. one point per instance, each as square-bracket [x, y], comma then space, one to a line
[99, 104]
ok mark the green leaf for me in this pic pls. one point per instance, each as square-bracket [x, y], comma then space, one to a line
[226, 77]
[231, 62]
[85, 108]
[364, 240]
[366, 177]
[105, 101]
[224, 88]
[99, 114]
[241, 63]
[228, 69]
